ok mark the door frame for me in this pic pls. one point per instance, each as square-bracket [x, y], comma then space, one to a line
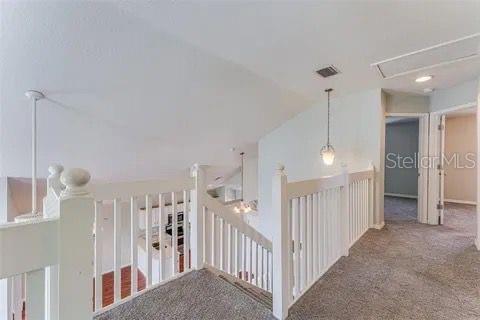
[435, 177]
[423, 151]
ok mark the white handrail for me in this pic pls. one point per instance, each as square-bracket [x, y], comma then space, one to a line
[315, 223]
[300, 188]
[125, 190]
[231, 217]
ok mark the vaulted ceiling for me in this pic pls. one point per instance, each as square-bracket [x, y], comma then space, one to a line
[145, 89]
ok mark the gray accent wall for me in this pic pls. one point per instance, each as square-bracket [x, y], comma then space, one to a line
[401, 138]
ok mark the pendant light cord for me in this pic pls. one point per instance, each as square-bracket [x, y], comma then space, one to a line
[328, 119]
[328, 115]
[241, 176]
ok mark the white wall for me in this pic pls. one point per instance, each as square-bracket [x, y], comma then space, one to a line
[356, 134]
[463, 93]
[406, 103]
[250, 178]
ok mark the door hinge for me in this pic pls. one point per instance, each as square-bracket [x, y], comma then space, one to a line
[440, 206]
[441, 127]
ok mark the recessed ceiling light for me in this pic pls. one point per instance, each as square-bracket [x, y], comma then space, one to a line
[428, 90]
[423, 78]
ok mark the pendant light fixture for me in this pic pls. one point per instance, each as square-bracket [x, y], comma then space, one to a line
[327, 152]
[34, 96]
[242, 207]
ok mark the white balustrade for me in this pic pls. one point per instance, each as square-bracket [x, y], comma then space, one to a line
[140, 212]
[233, 246]
[57, 268]
[316, 222]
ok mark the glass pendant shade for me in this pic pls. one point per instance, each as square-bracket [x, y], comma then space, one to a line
[327, 152]
[328, 155]
[242, 207]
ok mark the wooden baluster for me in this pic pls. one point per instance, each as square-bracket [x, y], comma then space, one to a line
[257, 270]
[162, 219]
[269, 281]
[117, 249]
[98, 256]
[309, 240]
[315, 235]
[134, 245]
[238, 253]
[174, 235]
[282, 242]
[244, 257]
[213, 239]
[230, 249]
[205, 237]
[303, 243]
[250, 269]
[262, 255]
[296, 249]
[365, 203]
[222, 246]
[186, 232]
[148, 238]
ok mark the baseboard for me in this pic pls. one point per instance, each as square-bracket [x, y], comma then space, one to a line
[379, 226]
[401, 195]
[460, 201]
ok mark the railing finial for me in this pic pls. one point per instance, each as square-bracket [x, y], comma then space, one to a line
[194, 169]
[55, 170]
[75, 181]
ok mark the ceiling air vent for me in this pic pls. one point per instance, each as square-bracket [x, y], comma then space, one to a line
[328, 71]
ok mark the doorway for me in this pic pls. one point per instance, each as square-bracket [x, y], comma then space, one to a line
[454, 178]
[406, 143]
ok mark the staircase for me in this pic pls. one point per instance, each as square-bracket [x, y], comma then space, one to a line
[197, 258]
[203, 294]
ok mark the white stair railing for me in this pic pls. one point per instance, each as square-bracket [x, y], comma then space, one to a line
[140, 211]
[54, 251]
[315, 223]
[233, 246]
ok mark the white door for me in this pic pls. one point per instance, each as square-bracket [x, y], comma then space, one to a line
[441, 170]
[422, 163]
[436, 146]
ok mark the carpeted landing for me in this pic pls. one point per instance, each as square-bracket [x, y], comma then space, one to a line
[197, 295]
[404, 271]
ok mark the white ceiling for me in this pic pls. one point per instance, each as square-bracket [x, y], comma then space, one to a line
[145, 89]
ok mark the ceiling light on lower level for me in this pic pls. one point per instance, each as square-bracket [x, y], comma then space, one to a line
[423, 78]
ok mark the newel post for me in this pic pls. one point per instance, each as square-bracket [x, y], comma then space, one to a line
[346, 209]
[75, 247]
[281, 245]
[196, 216]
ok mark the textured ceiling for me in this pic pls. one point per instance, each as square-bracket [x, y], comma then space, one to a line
[145, 89]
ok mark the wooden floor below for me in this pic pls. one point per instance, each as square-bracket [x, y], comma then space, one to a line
[125, 288]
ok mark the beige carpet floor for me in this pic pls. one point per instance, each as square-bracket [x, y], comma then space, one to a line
[404, 271]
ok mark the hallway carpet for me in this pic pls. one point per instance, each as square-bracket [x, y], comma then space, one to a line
[400, 208]
[404, 271]
[196, 295]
